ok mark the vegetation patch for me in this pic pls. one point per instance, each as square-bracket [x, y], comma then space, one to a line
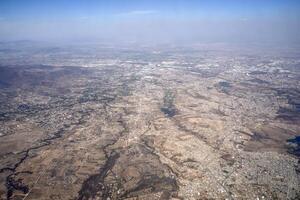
[168, 107]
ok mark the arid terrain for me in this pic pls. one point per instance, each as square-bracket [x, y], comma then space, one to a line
[141, 123]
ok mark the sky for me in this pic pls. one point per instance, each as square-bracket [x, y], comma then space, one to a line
[152, 21]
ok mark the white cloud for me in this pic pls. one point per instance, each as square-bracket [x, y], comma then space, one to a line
[142, 12]
[138, 12]
[83, 17]
[244, 19]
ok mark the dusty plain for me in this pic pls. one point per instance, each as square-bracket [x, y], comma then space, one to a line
[183, 123]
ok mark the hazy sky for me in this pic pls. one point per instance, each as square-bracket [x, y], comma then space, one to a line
[151, 21]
